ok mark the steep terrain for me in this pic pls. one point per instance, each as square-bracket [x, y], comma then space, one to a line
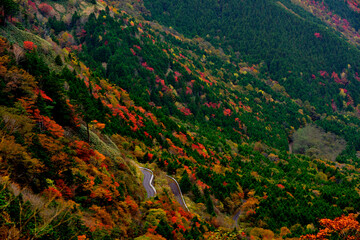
[314, 63]
[93, 91]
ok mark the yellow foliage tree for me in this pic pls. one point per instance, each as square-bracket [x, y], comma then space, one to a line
[154, 216]
[260, 233]
[284, 231]
[19, 81]
[16, 157]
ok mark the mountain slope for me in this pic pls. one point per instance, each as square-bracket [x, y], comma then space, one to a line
[312, 62]
[103, 93]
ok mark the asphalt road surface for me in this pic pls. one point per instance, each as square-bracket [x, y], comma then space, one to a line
[237, 215]
[175, 188]
[151, 191]
[235, 218]
[147, 182]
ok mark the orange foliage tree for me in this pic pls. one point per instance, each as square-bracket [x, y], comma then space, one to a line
[260, 233]
[344, 227]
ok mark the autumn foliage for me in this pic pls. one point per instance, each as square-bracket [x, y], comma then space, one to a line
[344, 227]
[45, 8]
[82, 138]
[28, 45]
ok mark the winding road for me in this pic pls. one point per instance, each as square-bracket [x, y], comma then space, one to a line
[236, 218]
[151, 191]
[175, 188]
[237, 215]
[147, 182]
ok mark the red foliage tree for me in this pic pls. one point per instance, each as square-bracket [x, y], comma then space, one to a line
[185, 111]
[45, 9]
[32, 4]
[43, 95]
[54, 128]
[317, 35]
[28, 45]
[227, 112]
[52, 192]
[83, 150]
[65, 190]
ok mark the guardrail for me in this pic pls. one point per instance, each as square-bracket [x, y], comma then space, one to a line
[151, 178]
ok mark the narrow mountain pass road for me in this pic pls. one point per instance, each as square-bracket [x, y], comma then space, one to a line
[147, 182]
[236, 218]
[175, 188]
[237, 215]
[151, 191]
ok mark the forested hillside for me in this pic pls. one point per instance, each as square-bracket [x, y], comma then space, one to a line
[312, 62]
[221, 97]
